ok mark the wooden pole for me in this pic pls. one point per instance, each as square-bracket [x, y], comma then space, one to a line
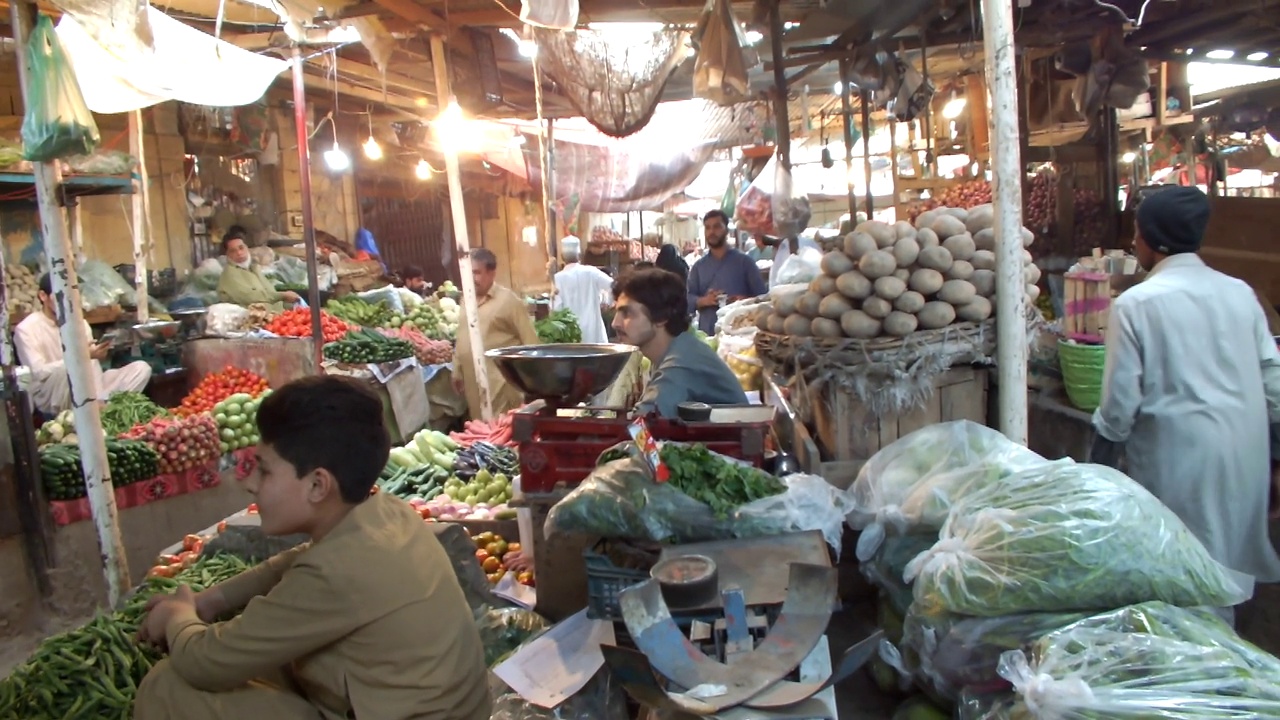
[478, 368]
[76, 228]
[548, 197]
[781, 115]
[1011, 296]
[308, 222]
[846, 113]
[141, 200]
[85, 386]
[866, 152]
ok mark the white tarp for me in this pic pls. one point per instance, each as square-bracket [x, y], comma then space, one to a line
[185, 64]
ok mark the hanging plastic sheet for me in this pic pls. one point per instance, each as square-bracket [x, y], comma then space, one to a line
[720, 72]
[553, 14]
[185, 64]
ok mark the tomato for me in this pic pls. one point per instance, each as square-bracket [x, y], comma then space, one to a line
[252, 509]
[163, 571]
[189, 558]
[192, 542]
[168, 560]
[513, 547]
[525, 578]
[425, 512]
[481, 555]
[491, 565]
[222, 527]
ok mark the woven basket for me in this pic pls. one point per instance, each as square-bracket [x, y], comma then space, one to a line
[1082, 373]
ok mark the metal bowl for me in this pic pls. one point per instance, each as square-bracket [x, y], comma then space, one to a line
[564, 373]
[157, 330]
[687, 580]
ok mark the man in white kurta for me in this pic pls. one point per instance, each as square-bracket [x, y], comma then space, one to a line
[1192, 387]
[582, 289]
[39, 348]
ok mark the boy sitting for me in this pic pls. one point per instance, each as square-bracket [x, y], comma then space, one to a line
[366, 620]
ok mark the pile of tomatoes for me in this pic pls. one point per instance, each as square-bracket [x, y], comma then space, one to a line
[169, 565]
[297, 323]
[219, 386]
[491, 549]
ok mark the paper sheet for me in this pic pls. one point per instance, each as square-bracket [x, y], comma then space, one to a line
[557, 664]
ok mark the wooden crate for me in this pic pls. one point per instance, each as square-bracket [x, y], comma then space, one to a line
[847, 434]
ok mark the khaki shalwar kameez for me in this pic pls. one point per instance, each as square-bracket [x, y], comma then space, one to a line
[368, 623]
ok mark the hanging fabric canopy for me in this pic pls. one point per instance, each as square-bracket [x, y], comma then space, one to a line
[182, 64]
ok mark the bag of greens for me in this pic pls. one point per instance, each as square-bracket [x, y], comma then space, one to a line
[911, 484]
[1067, 537]
[57, 123]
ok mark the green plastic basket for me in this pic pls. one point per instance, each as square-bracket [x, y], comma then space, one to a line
[1082, 367]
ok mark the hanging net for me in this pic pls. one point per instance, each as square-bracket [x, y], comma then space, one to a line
[615, 80]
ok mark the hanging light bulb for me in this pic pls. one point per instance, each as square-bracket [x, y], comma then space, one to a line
[336, 159]
[372, 149]
[954, 107]
[423, 170]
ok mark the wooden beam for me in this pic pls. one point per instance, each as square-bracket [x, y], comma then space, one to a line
[408, 105]
[364, 8]
[412, 11]
[419, 87]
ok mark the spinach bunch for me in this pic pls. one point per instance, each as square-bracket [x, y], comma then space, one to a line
[559, 327]
[720, 483]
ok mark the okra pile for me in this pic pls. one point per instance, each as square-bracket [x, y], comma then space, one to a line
[94, 670]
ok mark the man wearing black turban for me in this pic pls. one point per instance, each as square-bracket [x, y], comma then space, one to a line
[1192, 387]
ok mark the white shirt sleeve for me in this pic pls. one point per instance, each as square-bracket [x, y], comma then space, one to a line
[1122, 378]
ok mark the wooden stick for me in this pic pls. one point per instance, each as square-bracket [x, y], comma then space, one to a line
[141, 214]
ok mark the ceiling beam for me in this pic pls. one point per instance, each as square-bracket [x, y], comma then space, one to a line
[404, 105]
[412, 11]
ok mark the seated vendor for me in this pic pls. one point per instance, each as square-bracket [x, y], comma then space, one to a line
[40, 349]
[651, 314]
[242, 282]
[366, 620]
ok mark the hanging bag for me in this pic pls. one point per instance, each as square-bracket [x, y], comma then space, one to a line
[57, 122]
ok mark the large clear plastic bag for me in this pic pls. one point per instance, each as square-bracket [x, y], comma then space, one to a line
[912, 483]
[225, 320]
[620, 499]
[504, 630]
[773, 204]
[601, 699]
[1154, 661]
[1067, 537]
[885, 568]
[57, 122]
[102, 286]
[791, 209]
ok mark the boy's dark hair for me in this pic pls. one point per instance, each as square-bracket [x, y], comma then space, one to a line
[411, 271]
[235, 232]
[328, 422]
[661, 293]
[485, 257]
[716, 213]
[46, 284]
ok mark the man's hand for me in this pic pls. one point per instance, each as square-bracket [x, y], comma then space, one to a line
[98, 351]
[517, 562]
[290, 296]
[711, 299]
[161, 609]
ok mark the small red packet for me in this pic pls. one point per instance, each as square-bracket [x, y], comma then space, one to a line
[648, 448]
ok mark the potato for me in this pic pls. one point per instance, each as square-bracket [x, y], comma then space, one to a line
[836, 264]
[956, 292]
[857, 324]
[890, 287]
[906, 250]
[984, 282]
[854, 285]
[976, 310]
[883, 232]
[980, 218]
[900, 324]
[958, 213]
[927, 238]
[824, 285]
[776, 324]
[877, 264]
[926, 281]
[947, 225]
[935, 258]
[1033, 292]
[825, 328]
[877, 307]
[857, 244]
[762, 320]
[904, 229]
[1031, 274]
[785, 303]
[1028, 237]
[985, 239]
[808, 304]
[960, 270]
[797, 325]
[903, 274]
[833, 306]
[926, 218]
[935, 315]
[983, 260]
[909, 302]
[960, 246]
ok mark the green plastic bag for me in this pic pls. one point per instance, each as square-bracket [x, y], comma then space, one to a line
[57, 122]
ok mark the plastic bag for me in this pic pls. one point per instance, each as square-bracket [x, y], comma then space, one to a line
[720, 71]
[57, 122]
[885, 569]
[1186, 664]
[554, 14]
[388, 295]
[206, 275]
[601, 699]
[504, 630]
[1067, 537]
[791, 210]
[102, 286]
[107, 162]
[620, 499]
[800, 268]
[287, 270]
[224, 319]
[911, 483]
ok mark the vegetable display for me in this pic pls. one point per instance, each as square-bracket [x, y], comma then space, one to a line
[126, 409]
[237, 420]
[21, 286]
[183, 443]
[490, 550]
[297, 323]
[63, 475]
[61, 429]
[716, 480]
[1066, 537]
[894, 280]
[560, 326]
[497, 432]
[357, 311]
[482, 456]
[216, 387]
[364, 346]
[94, 670]
[428, 351]
[438, 319]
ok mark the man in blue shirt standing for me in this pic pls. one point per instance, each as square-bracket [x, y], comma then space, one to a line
[722, 272]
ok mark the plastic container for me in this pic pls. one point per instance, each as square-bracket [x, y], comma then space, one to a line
[1082, 369]
[605, 581]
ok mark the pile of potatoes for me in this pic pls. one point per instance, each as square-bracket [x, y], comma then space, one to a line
[893, 280]
[21, 285]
